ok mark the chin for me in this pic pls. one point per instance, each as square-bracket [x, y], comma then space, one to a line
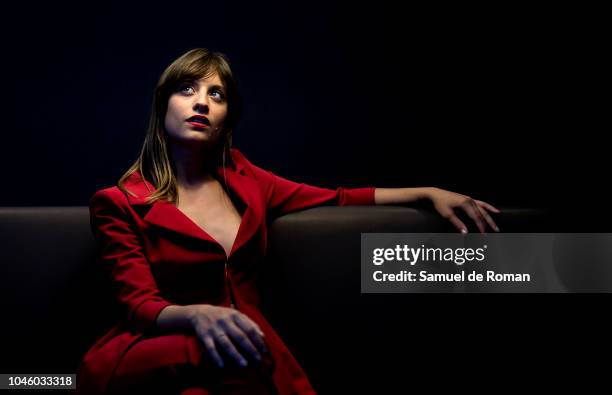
[198, 138]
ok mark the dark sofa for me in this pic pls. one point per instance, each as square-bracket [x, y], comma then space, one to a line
[55, 303]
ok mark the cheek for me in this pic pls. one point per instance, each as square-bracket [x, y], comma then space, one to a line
[168, 121]
[221, 114]
[172, 117]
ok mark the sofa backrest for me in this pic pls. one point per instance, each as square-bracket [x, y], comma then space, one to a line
[55, 301]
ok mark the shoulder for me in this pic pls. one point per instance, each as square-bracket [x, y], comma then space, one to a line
[108, 196]
[241, 160]
[247, 168]
[239, 157]
[138, 189]
[243, 165]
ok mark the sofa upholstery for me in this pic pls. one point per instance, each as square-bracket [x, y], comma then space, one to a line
[55, 303]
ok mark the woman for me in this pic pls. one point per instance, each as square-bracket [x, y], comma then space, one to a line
[181, 236]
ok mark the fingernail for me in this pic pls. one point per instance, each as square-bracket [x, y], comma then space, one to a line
[243, 362]
[220, 364]
[258, 357]
[497, 229]
[464, 231]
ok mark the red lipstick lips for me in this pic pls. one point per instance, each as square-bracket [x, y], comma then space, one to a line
[199, 121]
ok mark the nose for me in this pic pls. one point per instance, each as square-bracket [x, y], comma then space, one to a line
[201, 104]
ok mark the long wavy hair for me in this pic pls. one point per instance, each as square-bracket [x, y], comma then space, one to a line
[154, 162]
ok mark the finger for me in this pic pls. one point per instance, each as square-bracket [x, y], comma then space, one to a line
[458, 223]
[482, 223]
[223, 340]
[240, 337]
[252, 330]
[471, 210]
[488, 218]
[209, 344]
[487, 206]
[244, 317]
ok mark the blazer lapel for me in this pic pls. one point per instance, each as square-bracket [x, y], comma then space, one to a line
[168, 216]
[247, 190]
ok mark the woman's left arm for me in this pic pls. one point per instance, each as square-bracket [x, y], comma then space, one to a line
[445, 202]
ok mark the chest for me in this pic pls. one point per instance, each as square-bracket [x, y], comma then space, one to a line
[212, 209]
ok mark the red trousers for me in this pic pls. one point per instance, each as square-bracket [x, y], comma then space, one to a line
[179, 364]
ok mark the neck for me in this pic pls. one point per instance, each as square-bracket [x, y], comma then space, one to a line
[193, 166]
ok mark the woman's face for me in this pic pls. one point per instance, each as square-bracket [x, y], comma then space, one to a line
[196, 111]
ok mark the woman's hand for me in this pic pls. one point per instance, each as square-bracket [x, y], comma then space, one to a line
[445, 202]
[222, 328]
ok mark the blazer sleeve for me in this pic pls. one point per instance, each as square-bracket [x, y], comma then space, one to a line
[284, 196]
[122, 255]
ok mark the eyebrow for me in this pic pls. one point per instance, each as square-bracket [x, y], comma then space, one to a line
[214, 86]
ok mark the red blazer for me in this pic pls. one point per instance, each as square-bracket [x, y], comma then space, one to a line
[157, 256]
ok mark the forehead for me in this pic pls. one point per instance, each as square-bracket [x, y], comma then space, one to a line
[212, 79]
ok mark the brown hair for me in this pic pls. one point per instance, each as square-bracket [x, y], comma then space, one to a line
[154, 163]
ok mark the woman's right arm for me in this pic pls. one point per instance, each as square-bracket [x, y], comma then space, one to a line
[124, 261]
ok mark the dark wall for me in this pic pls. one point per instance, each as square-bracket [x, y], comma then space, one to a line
[501, 104]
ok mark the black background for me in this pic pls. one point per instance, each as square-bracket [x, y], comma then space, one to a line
[505, 104]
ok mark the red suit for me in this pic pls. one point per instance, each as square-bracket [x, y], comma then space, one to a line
[157, 256]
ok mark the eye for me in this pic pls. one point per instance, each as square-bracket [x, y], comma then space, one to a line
[186, 88]
[218, 94]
